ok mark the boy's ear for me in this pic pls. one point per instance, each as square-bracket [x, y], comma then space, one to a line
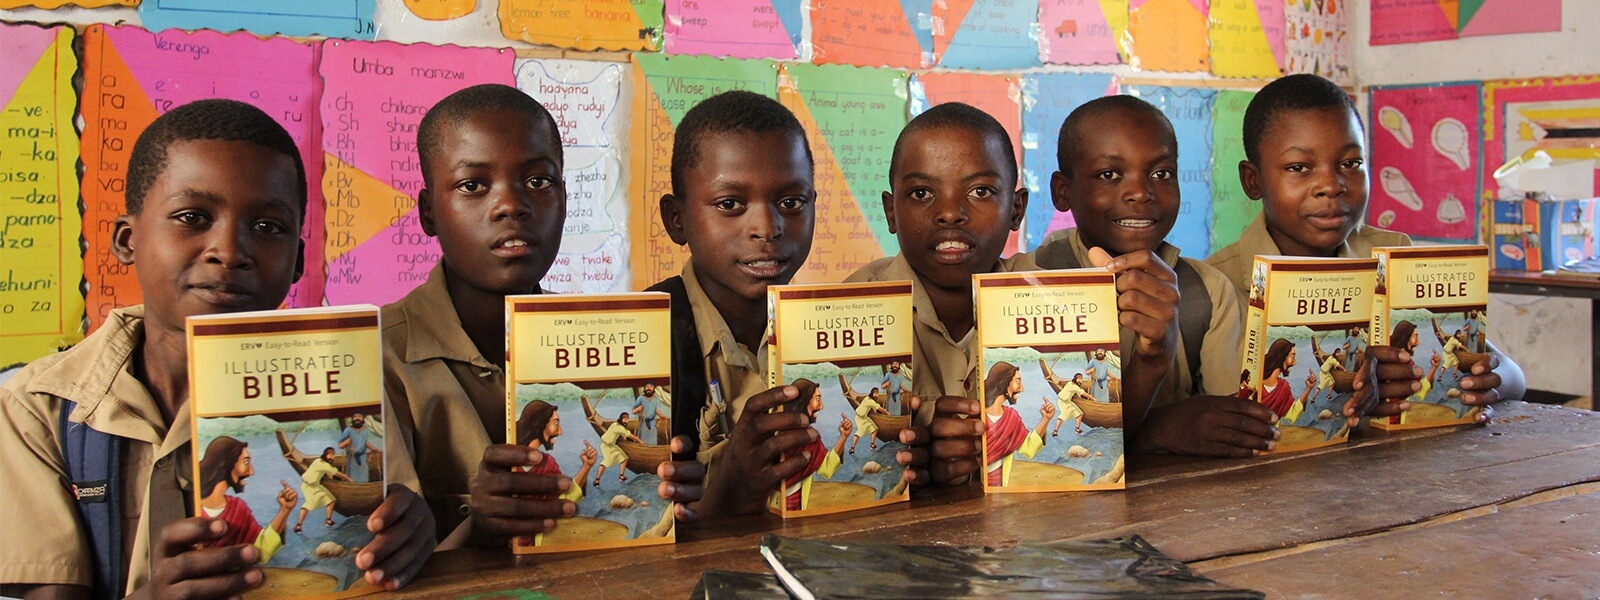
[1019, 207]
[1060, 191]
[122, 239]
[1250, 179]
[672, 219]
[425, 212]
[888, 211]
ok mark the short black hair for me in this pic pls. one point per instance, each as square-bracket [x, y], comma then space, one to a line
[213, 119]
[958, 114]
[736, 111]
[1293, 92]
[1072, 135]
[458, 106]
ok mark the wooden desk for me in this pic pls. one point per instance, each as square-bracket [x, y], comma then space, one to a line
[1429, 508]
[1526, 283]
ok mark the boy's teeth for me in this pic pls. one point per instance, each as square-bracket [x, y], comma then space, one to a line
[762, 263]
[514, 244]
[951, 245]
[1135, 222]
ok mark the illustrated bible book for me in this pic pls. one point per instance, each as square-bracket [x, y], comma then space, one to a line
[1051, 381]
[589, 385]
[288, 440]
[1433, 301]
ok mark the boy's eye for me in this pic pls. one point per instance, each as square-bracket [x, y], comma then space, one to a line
[540, 182]
[982, 193]
[920, 194]
[270, 228]
[1108, 175]
[727, 204]
[1163, 174]
[1354, 163]
[793, 203]
[1295, 168]
[191, 218]
[470, 186]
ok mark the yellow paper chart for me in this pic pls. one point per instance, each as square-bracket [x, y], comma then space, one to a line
[1168, 35]
[440, 10]
[1247, 38]
[41, 309]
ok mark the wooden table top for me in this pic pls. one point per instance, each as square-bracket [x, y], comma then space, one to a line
[1459, 509]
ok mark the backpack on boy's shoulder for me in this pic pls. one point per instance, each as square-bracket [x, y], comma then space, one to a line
[94, 462]
[689, 387]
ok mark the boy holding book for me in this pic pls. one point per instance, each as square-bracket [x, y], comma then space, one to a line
[215, 198]
[1305, 160]
[1121, 182]
[954, 199]
[743, 201]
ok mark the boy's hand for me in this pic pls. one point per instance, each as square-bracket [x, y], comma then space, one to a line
[1482, 387]
[1147, 299]
[1226, 426]
[948, 451]
[502, 506]
[181, 571]
[1384, 380]
[682, 481]
[403, 542]
[762, 450]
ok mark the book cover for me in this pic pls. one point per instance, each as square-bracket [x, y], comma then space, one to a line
[1433, 302]
[589, 384]
[846, 347]
[1051, 380]
[1299, 357]
[288, 440]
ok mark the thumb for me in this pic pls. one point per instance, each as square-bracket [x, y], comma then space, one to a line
[1099, 257]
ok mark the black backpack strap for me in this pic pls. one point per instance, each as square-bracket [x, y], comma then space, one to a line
[1194, 318]
[689, 387]
[94, 462]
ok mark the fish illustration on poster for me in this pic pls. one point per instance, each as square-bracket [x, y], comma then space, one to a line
[374, 96]
[872, 33]
[1424, 154]
[38, 194]
[998, 95]
[1047, 99]
[664, 89]
[586, 100]
[584, 24]
[734, 28]
[1247, 39]
[1189, 109]
[1168, 35]
[138, 75]
[351, 19]
[1079, 32]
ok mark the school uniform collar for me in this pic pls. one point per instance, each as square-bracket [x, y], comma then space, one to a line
[98, 375]
[1073, 242]
[1255, 241]
[434, 328]
[715, 335]
[899, 269]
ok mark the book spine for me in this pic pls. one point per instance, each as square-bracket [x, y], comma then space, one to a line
[774, 378]
[1378, 330]
[1255, 332]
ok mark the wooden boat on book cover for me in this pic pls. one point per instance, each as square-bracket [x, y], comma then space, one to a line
[663, 434]
[1344, 382]
[1464, 360]
[889, 426]
[1095, 414]
[642, 458]
[348, 498]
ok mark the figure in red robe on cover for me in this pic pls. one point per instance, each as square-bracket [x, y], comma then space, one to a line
[225, 466]
[1006, 435]
[537, 428]
[824, 461]
[1275, 392]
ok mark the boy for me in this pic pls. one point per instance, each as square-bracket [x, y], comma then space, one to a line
[215, 200]
[743, 201]
[1305, 160]
[1122, 185]
[494, 196]
[953, 200]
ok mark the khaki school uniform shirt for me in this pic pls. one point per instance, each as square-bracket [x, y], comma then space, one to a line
[1236, 259]
[446, 402]
[738, 371]
[940, 364]
[1220, 351]
[44, 543]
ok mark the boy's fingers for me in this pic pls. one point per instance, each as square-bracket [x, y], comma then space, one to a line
[502, 457]
[209, 562]
[767, 400]
[680, 444]
[956, 405]
[395, 505]
[952, 472]
[1145, 262]
[390, 540]
[509, 527]
[769, 423]
[951, 428]
[1147, 327]
[1485, 382]
[680, 493]
[1099, 257]
[501, 484]
[1390, 371]
[914, 436]
[1487, 366]
[402, 562]
[181, 536]
[682, 471]
[526, 509]
[1223, 450]
[1258, 432]
[772, 476]
[1254, 410]
[1397, 390]
[1485, 416]
[686, 514]
[783, 444]
[954, 448]
[912, 457]
[1483, 399]
[1388, 409]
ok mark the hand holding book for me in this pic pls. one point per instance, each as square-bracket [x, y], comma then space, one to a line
[954, 457]
[753, 463]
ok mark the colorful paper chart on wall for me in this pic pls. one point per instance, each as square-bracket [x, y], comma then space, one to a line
[984, 34]
[734, 28]
[131, 76]
[41, 309]
[332, 18]
[664, 89]
[54, 4]
[1231, 210]
[374, 95]
[1247, 38]
[871, 33]
[998, 95]
[1409, 21]
[584, 24]
[1425, 168]
[1317, 39]
[1189, 109]
[1168, 35]
[1084, 32]
[441, 10]
[585, 97]
[1557, 116]
[852, 116]
[1047, 99]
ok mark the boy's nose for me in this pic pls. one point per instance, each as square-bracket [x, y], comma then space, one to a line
[950, 211]
[227, 247]
[511, 204]
[765, 222]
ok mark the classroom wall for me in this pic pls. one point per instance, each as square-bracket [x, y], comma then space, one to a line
[1544, 335]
